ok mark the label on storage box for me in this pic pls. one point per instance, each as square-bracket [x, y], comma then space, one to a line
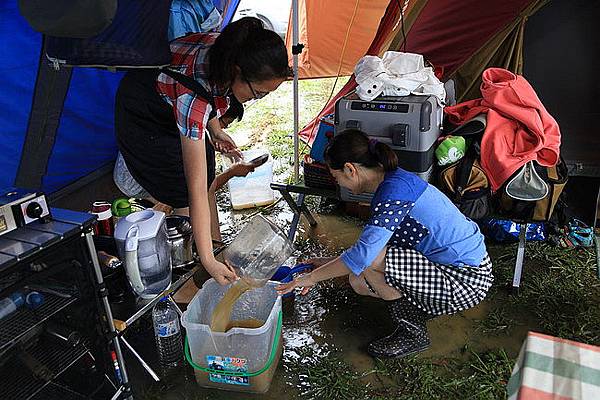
[228, 364]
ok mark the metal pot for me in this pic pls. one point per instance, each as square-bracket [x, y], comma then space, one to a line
[181, 238]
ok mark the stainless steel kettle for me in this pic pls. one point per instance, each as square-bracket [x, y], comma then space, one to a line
[142, 244]
[181, 239]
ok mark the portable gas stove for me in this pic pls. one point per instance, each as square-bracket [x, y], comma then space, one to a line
[19, 207]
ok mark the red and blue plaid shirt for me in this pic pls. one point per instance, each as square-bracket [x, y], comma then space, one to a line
[191, 111]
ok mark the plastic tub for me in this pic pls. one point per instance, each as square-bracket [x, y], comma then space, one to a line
[253, 190]
[241, 359]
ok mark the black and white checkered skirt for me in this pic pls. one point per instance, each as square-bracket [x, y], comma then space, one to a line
[435, 288]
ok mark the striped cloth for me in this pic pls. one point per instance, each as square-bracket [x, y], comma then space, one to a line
[558, 369]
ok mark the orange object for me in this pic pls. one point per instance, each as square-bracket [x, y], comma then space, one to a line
[335, 35]
[119, 325]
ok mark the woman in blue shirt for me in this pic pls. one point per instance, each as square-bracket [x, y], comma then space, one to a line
[417, 251]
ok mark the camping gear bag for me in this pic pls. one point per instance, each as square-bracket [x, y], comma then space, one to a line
[504, 230]
[555, 177]
[464, 181]
[466, 184]
[137, 37]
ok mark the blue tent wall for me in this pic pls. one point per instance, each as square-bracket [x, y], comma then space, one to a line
[85, 139]
[19, 51]
[231, 8]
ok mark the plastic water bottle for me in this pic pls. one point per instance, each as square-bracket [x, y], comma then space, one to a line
[167, 332]
[34, 300]
[10, 304]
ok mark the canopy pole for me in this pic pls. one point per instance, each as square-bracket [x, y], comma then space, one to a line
[296, 49]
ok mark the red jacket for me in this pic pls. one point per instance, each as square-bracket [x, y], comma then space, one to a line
[519, 129]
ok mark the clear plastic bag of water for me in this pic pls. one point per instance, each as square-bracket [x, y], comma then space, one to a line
[258, 251]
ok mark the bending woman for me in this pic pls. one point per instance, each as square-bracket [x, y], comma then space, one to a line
[417, 251]
[163, 118]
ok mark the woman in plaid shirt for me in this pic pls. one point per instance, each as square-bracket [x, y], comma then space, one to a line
[162, 119]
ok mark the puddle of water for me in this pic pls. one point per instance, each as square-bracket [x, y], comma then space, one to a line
[333, 232]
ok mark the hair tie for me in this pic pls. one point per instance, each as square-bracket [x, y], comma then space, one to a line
[372, 144]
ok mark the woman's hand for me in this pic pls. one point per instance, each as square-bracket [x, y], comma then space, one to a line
[222, 273]
[224, 143]
[304, 281]
[241, 169]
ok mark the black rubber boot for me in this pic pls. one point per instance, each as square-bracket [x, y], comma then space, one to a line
[410, 335]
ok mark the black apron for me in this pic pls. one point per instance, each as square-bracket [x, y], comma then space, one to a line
[148, 137]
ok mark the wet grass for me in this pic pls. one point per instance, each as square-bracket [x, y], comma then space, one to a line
[559, 292]
[496, 322]
[270, 123]
[474, 376]
[328, 377]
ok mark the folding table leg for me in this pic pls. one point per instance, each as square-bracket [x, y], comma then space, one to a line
[109, 317]
[520, 256]
[296, 219]
[144, 364]
[298, 207]
[311, 220]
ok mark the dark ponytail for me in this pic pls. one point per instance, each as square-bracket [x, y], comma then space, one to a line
[354, 146]
[259, 53]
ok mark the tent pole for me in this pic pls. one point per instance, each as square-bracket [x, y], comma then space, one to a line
[295, 39]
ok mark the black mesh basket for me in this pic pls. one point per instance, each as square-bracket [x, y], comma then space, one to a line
[317, 175]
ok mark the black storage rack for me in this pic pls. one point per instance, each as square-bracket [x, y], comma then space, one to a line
[57, 258]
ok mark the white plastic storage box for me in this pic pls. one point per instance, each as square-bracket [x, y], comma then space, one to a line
[253, 190]
[241, 359]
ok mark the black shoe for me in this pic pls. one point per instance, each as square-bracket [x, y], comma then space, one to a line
[406, 340]
[410, 335]
[403, 310]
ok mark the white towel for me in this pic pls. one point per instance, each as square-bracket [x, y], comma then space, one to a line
[397, 74]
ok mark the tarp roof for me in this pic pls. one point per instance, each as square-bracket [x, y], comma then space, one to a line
[335, 34]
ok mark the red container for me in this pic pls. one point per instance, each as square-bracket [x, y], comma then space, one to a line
[105, 225]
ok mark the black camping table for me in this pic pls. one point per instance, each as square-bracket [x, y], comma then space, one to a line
[298, 207]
